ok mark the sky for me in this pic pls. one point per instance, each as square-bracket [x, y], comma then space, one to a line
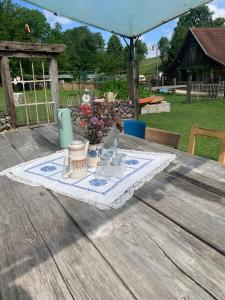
[150, 38]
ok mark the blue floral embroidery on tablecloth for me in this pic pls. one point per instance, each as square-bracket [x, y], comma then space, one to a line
[48, 168]
[97, 182]
[92, 153]
[132, 162]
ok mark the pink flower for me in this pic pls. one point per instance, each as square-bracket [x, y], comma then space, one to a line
[94, 121]
[85, 109]
[83, 124]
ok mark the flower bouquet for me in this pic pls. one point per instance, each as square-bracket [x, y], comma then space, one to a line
[96, 119]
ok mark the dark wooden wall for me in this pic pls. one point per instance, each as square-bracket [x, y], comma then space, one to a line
[193, 58]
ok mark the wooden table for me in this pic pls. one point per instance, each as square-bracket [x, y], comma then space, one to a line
[167, 242]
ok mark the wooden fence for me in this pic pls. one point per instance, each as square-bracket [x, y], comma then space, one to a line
[206, 91]
[65, 101]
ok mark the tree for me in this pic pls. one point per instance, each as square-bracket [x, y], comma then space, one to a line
[56, 35]
[141, 50]
[83, 47]
[13, 19]
[115, 55]
[164, 46]
[114, 46]
[198, 17]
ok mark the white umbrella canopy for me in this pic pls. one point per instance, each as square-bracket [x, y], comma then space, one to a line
[129, 18]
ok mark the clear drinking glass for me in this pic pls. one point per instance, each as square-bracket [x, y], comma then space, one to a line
[102, 169]
[122, 158]
[106, 156]
[111, 141]
[115, 168]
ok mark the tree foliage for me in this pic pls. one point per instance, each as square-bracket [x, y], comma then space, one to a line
[141, 52]
[86, 50]
[198, 17]
[164, 46]
[114, 55]
[13, 19]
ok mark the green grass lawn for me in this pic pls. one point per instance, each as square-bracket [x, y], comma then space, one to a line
[183, 116]
[148, 66]
[65, 97]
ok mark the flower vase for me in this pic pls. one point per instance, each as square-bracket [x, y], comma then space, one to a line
[94, 155]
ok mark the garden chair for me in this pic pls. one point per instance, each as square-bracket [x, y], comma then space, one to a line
[209, 133]
[135, 128]
[163, 137]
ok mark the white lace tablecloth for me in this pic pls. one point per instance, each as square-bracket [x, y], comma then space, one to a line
[103, 193]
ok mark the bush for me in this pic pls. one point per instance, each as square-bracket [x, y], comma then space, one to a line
[121, 88]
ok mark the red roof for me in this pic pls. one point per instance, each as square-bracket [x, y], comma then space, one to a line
[212, 41]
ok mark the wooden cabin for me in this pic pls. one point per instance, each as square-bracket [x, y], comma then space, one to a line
[202, 54]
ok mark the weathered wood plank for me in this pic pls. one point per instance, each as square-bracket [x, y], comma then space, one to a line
[8, 156]
[7, 86]
[53, 73]
[48, 133]
[26, 143]
[199, 211]
[104, 229]
[137, 240]
[86, 274]
[12, 46]
[27, 270]
[84, 271]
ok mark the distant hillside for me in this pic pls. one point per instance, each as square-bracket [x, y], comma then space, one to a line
[148, 66]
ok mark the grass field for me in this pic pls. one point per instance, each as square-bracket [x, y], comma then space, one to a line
[66, 97]
[148, 66]
[183, 116]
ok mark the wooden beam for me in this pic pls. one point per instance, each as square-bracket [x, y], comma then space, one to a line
[53, 72]
[7, 86]
[133, 79]
[28, 54]
[11, 46]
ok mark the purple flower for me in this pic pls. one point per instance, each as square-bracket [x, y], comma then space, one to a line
[94, 120]
[100, 122]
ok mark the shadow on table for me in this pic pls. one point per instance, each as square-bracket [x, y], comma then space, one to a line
[50, 232]
[14, 292]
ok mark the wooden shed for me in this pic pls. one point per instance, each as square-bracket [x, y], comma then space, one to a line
[202, 54]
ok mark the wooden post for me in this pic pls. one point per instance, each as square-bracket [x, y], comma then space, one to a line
[133, 79]
[174, 86]
[189, 100]
[7, 86]
[53, 73]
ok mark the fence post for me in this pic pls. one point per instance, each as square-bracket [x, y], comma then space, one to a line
[174, 86]
[53, 73]
[189, 100]
[7, 86]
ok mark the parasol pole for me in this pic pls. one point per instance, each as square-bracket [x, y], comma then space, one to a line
[133, 78]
